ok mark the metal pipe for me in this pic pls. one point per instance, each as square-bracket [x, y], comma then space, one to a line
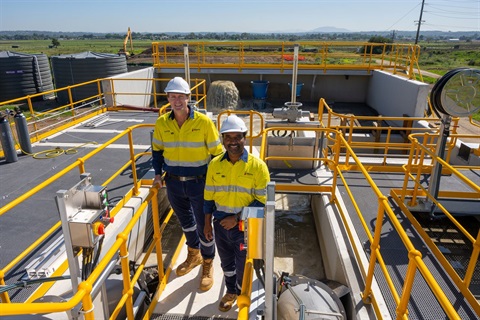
[294, 73]
[440, 153]
[186, 62]
[270, 292]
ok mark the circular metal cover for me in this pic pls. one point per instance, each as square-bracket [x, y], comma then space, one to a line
[457, 93]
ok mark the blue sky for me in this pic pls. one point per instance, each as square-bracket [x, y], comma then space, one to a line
[240, 16]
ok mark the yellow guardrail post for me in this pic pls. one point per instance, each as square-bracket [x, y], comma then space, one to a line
[86, 300]
[157, 234]
[473, 261]
[99, 88]
[375, 245]
[127, 290]
[401, 310]
[133, 164]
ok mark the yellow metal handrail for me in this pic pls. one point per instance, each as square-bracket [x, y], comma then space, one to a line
[339, 143]
[415, 261]
[401, 59]
[384, 210]
[57, 118]
[85, 288]
[385, 140]
[413, 174]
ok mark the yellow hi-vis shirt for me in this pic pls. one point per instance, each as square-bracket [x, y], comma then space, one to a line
[234, 186]
[186, 150]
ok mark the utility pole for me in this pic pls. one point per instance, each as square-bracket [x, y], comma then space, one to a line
[419, 22]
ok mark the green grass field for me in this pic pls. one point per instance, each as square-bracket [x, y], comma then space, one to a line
[71, 46]
[442, 57]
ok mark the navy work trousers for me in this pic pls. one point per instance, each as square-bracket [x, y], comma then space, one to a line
[186, 199]
[231, 257]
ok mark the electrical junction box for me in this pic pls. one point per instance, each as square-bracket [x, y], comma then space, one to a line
[82, 227]
[84, 209]
[85, 223]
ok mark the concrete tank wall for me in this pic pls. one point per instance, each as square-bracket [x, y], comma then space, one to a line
[393, 95]
[389, 95]
[131, 93]
[332, 87]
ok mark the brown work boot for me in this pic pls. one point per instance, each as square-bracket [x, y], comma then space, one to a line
[194, 259]
[227, 302]
[207, 275]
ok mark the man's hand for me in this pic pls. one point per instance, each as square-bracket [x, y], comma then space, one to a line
[207, 230]
[158, 181]
[229, 222]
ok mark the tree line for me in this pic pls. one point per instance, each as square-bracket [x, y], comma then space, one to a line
[404, 36]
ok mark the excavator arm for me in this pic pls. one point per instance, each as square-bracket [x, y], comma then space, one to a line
[125, 42]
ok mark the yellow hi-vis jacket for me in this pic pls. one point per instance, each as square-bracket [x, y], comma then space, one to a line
[230, 187]
[185, 151]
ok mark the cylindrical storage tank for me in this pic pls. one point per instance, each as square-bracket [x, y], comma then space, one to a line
[82, 67]
[24, 74]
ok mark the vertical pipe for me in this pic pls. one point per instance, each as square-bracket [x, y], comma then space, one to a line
[186, 62]
[294, 74]
[440, 153]
[270, 293]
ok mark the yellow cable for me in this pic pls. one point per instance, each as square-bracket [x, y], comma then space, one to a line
[51, 153]
[47, 154]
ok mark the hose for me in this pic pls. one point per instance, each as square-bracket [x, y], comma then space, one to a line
[52, 153]
[47, 154]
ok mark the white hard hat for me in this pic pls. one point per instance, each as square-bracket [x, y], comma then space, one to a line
[178, 85]
[233, 124]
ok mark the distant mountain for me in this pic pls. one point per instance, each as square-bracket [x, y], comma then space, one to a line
[329, 29]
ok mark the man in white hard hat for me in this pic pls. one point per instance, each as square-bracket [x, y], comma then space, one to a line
[184, 141]
[234, 180]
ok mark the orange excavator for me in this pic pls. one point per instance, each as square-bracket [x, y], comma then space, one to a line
[124, 50]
